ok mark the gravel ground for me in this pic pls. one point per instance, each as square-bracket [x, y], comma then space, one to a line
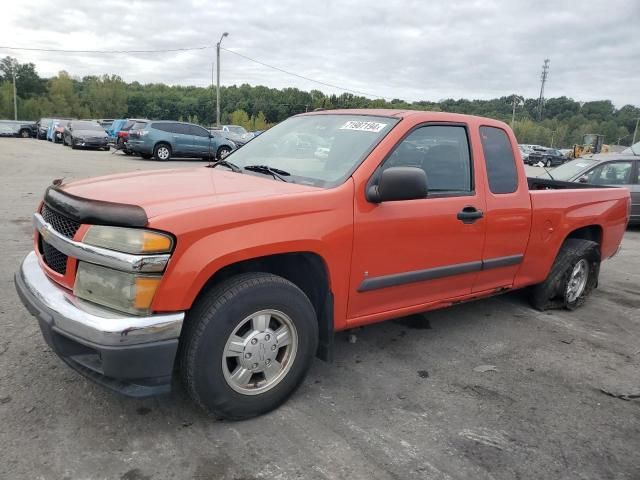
[404, 401]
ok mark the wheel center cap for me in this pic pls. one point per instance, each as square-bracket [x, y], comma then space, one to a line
[259, 351]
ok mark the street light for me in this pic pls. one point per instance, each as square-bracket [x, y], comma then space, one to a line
[225, 34]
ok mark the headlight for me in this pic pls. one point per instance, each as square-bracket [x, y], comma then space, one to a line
[126, 292]
[128, 240]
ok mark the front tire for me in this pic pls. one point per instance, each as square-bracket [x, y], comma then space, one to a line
[247, 345]
[162, 152]
[573, 276]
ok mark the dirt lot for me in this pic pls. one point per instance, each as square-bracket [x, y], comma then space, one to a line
[403, 402]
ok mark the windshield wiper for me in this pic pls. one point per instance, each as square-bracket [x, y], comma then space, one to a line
[267, 170]
[225, 163]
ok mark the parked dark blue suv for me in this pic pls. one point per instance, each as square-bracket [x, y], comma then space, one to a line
[164, 139]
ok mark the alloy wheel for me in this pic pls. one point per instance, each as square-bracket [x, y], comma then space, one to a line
[260, 352]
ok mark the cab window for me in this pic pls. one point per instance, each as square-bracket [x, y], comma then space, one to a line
[499, 159]
[442, 151]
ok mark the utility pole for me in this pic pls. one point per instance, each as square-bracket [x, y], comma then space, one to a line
[14, 64]
[516, 101]
[543, 80]
[225, 34]
[635, 131]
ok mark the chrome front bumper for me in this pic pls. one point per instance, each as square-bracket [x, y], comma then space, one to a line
[76, 318]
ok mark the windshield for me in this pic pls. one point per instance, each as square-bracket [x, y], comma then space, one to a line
[321, 150]
[87, 126]
[569, 170]
[632, 150]
[237, 130]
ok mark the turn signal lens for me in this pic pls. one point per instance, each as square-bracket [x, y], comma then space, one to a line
[128, 240]
[145, 289]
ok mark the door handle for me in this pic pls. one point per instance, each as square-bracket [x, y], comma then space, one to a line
[469, 214]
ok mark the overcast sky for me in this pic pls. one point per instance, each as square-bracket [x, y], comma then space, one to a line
[414, 50]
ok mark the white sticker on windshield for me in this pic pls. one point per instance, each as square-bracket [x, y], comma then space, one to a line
[582, 164]
[361, 126]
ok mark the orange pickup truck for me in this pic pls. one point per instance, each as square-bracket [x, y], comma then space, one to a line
[235, 275]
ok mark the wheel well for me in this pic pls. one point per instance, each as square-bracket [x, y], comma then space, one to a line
[590, 232]
[308, 272]
[162, 142]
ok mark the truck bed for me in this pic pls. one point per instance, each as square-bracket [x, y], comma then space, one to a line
[536, 183]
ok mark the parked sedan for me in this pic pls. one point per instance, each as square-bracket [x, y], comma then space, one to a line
[548, 157]
[165, 139]
[85, 134]
[609, 169]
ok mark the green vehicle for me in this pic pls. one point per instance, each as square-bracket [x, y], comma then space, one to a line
[164, 139]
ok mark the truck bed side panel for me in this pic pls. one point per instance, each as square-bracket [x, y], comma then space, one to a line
[557, 213]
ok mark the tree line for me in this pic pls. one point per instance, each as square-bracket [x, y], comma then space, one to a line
[565, 121]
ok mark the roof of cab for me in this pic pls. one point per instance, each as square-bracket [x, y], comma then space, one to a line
[426, 114]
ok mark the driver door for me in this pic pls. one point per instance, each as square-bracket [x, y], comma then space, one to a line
[414, 252]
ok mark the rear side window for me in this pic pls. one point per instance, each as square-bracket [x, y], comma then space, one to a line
[181, 128]
[163, 127]
[498, 156]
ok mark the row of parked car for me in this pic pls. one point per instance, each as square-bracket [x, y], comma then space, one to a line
[160, 139]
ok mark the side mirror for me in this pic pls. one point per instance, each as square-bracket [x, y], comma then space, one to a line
[399, 183]
[583, 179]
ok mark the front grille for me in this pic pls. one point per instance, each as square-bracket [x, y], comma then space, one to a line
[60, 223]
[55, 259]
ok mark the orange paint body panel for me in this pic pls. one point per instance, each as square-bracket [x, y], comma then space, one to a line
[220, 218]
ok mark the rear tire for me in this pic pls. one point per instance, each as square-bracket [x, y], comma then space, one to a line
[162, 152]
[573, 275]
[223, 152]
[548, 164]
[253, 317]
[24, 133]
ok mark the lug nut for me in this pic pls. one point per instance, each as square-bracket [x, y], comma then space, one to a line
[267, 337]
[247, 355]
[268, 362]
[273, 347]
[254, 366]
[254, 341]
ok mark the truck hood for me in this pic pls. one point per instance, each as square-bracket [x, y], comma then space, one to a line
[160, 192]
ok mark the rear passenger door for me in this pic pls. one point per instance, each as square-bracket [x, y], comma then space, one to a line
[201, 141]
[182, 139]
[508, 210]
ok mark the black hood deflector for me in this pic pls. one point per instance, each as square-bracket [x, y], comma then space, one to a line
[94, 212]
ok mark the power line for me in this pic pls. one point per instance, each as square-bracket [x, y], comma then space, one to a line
[186, 49]
[303, 77]
[164, 50]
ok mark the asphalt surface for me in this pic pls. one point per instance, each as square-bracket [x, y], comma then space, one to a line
[405, 401]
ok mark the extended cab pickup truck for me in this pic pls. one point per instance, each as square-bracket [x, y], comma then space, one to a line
[235, 276]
